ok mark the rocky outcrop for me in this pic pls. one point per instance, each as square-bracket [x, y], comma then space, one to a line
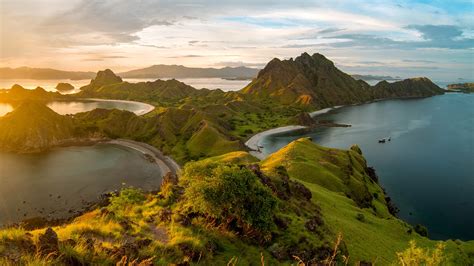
[48, 242]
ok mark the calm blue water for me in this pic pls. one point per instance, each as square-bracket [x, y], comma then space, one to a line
[427, 168]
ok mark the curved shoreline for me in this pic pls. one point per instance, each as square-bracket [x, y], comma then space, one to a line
[148, 108]
[254, 142]
[165, 163]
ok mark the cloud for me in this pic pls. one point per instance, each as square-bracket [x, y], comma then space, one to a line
[433, 36]
[240, 64]
[437, 32]
[186, 56]
[55, 33]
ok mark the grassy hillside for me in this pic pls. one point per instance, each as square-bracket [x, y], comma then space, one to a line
[185, 134]
[371, 233]
[231, 209]
[17, 94]
[33, 127]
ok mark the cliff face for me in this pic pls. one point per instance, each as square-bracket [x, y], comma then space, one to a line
[315, 81]
[33, 127]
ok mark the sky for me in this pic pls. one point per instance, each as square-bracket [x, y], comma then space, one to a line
[391, 37]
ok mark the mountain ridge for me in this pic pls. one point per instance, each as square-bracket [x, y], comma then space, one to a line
[315, 81]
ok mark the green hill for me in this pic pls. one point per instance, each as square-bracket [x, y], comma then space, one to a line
[301, 205]
[316, 82]
[17, 94]
[184, 133]
[353, 203]
[33, 127]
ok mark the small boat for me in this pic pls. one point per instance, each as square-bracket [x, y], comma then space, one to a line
[381, 140]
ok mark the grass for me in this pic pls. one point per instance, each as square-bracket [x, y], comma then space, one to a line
[134, 217]
[380, 236]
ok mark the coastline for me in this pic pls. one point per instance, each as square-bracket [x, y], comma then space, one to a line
[166, 163]
[254, 141]
[148, 109]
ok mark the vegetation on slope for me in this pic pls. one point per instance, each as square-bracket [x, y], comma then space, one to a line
[371, 232]
[33, 127]
[315, 82]
[222, 210]
[17, 94]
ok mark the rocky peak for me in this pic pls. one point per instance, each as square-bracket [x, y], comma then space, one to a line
[105, 77]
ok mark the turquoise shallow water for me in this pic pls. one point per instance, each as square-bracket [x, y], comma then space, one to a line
[427, 168]
[59, 182]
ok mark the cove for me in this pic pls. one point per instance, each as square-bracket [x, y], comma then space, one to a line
[85, 105]
[60, 182]
[428, 166]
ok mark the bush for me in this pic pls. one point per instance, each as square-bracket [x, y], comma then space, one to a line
[228, 192]
[360, 217]
[126, 197]
[418, 256]
[421, 230]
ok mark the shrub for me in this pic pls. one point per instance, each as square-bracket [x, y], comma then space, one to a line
[360, 217]
[126, 197]
[421, 230]
[228, 192]
[419, 256]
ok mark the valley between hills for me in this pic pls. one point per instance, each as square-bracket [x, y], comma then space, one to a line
[302, 204]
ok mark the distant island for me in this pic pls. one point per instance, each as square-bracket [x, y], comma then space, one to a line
[63, 86]
[42, 73]
[375, 77]
[152, 72]
[463, 87]
[179, 71]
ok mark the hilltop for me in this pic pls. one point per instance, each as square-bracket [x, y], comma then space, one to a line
[33, 127]
[314, 81]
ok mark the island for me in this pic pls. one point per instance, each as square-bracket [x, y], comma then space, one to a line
[302, 204]
[462, 87]
[63, 87]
